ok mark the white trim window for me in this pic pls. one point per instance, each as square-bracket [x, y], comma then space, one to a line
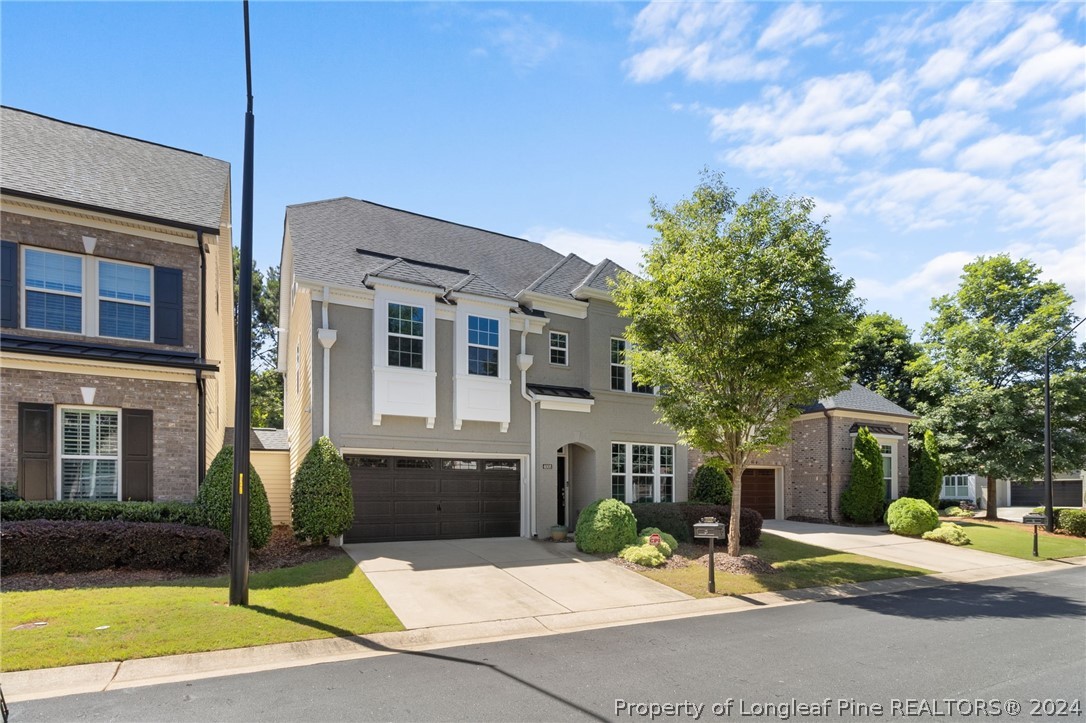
[887, 451]
[484, 343]
[642, 472]
[559, 348]
[52, 291]
[406, 333]
[124, 300]
[955, 487]
[90, 447]
[621, 375]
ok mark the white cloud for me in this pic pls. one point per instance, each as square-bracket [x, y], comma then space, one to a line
[593, 248]
[936, 277]
[999, 152]
[524, 41]
[796, 23]
[942, 67]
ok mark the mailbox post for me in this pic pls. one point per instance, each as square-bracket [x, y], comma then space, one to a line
[1036, 521]
[711, 529]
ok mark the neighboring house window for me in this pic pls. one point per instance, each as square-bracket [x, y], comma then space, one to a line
[89, 451]
[955, 486]
[483, 345]
[621, 376]
[53, 284]
[405, 332]
[559, 348]
[642, 472]
[888, 468]
[124, 301]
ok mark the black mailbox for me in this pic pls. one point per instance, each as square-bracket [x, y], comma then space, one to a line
[1035, 519]
[709, 529]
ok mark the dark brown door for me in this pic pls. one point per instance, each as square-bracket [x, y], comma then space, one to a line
[561, 491]
[760, 492]
[426, 498]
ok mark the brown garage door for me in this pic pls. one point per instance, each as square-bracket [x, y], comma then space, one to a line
[427, 498]
[760, 492]
[1065, 493]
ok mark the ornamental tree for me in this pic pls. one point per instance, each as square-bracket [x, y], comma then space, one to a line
[926, 474]
[739, 319]
[865, 497]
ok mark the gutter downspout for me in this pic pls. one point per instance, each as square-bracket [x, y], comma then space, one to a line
[201, 392]
[327, 337]
[524, 362]
[829, 466]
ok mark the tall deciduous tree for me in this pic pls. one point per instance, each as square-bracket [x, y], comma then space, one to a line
[883, 358]
[987, 348]
[739, 319]
[266, 397]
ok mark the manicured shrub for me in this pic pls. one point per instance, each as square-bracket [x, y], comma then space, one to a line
[182, 513]
[665, 539]
[606, 525]
[750, 521]
[711, 486]
[956, 512]
[8, 493]
[864, 498]
[644, 555]
[911, 517]
[216, 499]
[1072, 521]
[321, 503]
[666, 516]
[966, 505]
[926, 474]
[949, 533]
[47, 546]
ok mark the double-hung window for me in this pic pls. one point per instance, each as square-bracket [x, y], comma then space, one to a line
[89, 454]
[642, 472]
[888, 468]
[53, 288]
[559, 348]
[405, 335]
[124, 300]
[621, 376]
[483, 346]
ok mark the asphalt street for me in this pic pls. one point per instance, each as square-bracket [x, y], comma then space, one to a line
[959, 652]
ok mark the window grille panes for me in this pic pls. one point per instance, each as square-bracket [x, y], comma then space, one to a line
[667, 472]
[54, 291]
[644, 467]
[367, 462]
[405, 336]
[415, 464]
[483, 346]
[89, 448]
[559, 348]
[887, 468]
[618, 471]
[124, 306]
[464, 464]
[618, 365]
[506, 465]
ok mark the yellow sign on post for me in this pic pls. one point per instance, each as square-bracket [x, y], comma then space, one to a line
[241, 484]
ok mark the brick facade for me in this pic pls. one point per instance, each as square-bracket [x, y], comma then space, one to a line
[175, 419]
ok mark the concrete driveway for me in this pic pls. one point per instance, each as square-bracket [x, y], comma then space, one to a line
[449, 582]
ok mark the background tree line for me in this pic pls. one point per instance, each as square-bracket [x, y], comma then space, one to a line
[267, 383]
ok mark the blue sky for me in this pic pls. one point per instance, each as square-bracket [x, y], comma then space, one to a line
[929, 133]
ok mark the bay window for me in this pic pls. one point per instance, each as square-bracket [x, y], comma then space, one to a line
[405, 336]
[483, 346]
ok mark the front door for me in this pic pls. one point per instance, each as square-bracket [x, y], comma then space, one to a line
[561, 490]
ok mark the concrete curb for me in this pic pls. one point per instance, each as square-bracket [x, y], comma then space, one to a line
[96, 677]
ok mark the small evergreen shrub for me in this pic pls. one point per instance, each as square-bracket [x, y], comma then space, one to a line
[48, 546]
[750, 521]
[956, 511]
[182, 513]
[864, 498]
[911, 517]
[711, 486]
[644, 555]
[966, 505]
[8, 493]
[666, 516]
[949, 533]
[926, 475]
[321, 503]
[1072, 521]
[216, 500]
[666, 540]
[606, 525]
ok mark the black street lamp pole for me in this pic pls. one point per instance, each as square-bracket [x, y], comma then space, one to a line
[239, 522]
[1050, 522]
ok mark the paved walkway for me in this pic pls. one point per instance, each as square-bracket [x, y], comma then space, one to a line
[452, 582]
[935, 556]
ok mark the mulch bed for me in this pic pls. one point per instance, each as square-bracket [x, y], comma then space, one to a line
[688, 554]
[282, 550]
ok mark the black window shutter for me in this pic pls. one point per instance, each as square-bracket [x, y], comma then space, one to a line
[169, 307]
[9, 284]
[36, 451]
[137, 453]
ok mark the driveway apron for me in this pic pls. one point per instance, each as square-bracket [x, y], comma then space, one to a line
[449, 582]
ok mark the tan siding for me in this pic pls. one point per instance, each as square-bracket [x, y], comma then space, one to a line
[219, 342]
[297, 384]
[274, 471]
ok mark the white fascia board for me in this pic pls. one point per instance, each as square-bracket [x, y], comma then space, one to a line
[588, 292]
[554, 304]
[535, 324]
[856, 414]
[564, 404]
[402, 286]
[460, 297]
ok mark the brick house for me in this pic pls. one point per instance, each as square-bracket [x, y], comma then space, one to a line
[805, 479]
[116, 377]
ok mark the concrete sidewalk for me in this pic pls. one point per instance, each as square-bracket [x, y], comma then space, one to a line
[883, 545]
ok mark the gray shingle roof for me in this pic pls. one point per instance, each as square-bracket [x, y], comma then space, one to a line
[400, 270]
[858, 398]
[46, 157]
[475, 284]
[604, 270]
[327, 234]
[562, 278]
[261, 439]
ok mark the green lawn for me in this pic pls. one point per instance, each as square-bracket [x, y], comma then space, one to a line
[799, 565]
[1016, 540]
[318, 600]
